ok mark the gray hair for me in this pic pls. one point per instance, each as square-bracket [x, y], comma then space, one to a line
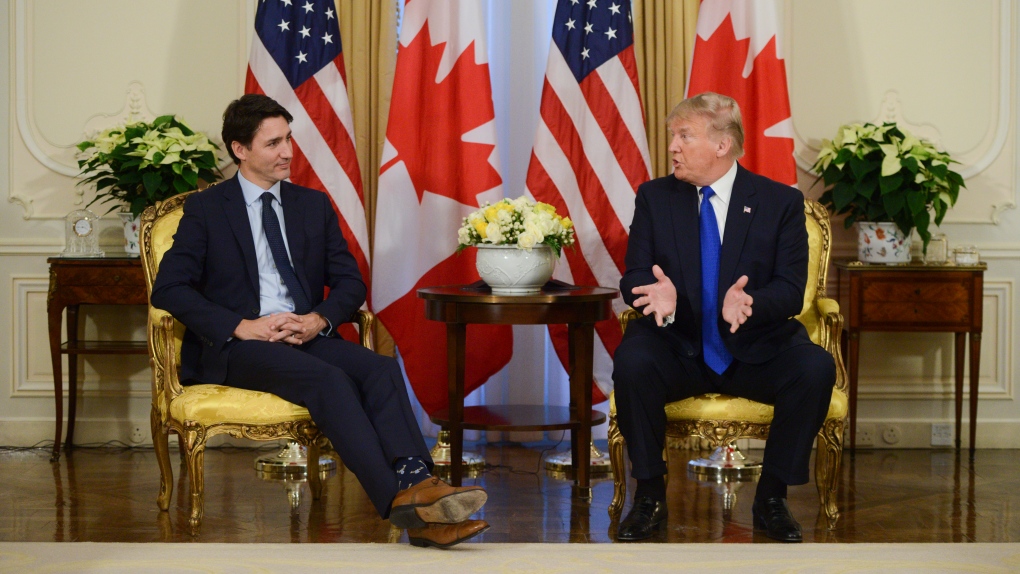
[722, 112]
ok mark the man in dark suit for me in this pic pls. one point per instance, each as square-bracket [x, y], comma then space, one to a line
[246, 274]
[717, 261]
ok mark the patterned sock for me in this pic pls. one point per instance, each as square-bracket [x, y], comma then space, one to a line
[410, 471]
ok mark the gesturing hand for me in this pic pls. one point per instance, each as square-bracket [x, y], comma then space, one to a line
[736, 307]
[658, 298]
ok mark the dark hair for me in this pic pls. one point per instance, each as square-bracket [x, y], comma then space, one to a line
[244, 116]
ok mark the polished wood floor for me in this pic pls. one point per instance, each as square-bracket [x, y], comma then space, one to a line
[106, 495]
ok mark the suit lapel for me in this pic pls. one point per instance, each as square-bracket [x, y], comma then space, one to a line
[294, 219]
[741, 211]
[684, 207]
[237, 216]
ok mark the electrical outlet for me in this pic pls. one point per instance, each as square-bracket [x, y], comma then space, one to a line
[137, 434]
[941, 434]
[866, 435]
[891, 434]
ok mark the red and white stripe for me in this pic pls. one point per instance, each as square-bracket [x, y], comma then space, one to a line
[590, 155]
[324, 152]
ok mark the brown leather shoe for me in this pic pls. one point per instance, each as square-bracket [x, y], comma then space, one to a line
[446, 535]
[433, 501]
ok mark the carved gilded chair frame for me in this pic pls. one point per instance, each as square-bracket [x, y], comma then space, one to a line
[722, 432]
[164, 338]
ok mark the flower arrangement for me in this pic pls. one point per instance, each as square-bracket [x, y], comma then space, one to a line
[520, 222]
[884, 173]
[140, 163]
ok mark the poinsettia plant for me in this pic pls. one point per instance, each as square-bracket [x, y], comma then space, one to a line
[885, 173]
[139, 163]
[520, 222]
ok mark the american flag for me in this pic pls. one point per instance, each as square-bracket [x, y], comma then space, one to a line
[296, 59]
[591, 153]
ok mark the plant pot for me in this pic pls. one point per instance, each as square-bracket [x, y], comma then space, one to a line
[882, 242]
[132, 224]
[512, 271]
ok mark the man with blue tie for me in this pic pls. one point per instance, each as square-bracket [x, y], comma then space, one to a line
[717, 260]
[246, 275]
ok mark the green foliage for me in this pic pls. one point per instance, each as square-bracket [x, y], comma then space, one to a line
[884, 173]
[139, 163]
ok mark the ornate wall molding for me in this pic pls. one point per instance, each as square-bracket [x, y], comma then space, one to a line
[29, 133]
[44, 166]
[31, 375]
[890, 109]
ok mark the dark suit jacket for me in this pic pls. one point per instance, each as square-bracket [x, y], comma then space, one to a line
[765, 238]
[208, 279]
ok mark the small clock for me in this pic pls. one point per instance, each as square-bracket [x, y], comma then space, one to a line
[80, 236]
[82, 227]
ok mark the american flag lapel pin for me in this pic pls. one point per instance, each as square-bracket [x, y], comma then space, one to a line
[747, 209]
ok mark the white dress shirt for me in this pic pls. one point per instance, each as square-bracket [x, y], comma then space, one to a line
[723, 188]
[273, 294]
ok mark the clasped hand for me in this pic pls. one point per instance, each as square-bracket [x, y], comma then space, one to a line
[660, 298]
[287, 328]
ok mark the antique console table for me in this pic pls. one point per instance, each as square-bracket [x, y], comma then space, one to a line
[86, 281]
[578, 307]
[917, 298]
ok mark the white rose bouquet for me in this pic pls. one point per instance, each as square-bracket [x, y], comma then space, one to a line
[520, 222]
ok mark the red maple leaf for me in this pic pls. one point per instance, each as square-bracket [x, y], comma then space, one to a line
[762, 96]
[428, 121]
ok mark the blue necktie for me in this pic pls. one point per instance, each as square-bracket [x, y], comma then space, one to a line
[271, 226]
[715, 353]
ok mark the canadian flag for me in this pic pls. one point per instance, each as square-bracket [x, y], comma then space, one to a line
[439, 164]
[737, 53]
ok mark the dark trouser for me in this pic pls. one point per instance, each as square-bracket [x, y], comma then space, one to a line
[649, 370]
[356, 397]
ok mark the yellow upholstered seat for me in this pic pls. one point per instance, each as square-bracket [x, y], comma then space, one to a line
[209, 404]
[723, 419]
[198, 412]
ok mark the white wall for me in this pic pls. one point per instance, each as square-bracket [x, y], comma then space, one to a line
[947, 67]
[72, 67]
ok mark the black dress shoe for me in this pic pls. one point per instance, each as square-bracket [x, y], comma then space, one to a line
[773, 516]
[643, 519]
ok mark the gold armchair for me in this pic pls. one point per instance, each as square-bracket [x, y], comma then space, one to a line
[198, 412]
[722, 419]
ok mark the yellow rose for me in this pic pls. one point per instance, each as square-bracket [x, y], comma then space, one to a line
[480, 227]
[491, 212]
[566, 223]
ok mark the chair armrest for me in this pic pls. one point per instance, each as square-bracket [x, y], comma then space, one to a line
[626, 316]
[366, 328]
[832, 332]
[163, 359]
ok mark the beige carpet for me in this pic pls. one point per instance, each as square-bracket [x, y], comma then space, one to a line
[123, 558]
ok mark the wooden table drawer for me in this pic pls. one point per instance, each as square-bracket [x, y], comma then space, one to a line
[933, 292]
[917, 312]
[101, 276]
